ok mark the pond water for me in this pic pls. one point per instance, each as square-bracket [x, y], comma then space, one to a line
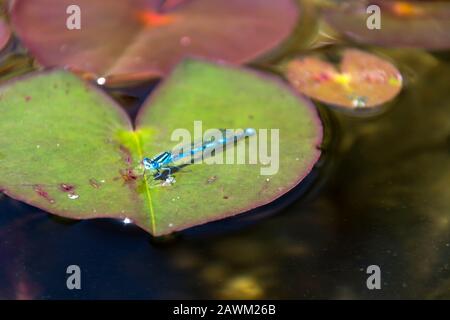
[380, 196]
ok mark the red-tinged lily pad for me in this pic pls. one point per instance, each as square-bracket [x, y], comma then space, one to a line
[413, 24]
[70, 150]
[363, 80]
[139, 39]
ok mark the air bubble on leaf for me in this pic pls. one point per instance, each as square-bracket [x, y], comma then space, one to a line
[359, 102]
[101, 81]
[73, 196]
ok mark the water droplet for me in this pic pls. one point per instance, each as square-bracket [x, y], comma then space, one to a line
[170, 225]
[359, 102]
[170, 180]
[127, 221]
[267, 179]
[101, 81]
[185, 41]
[72, 196]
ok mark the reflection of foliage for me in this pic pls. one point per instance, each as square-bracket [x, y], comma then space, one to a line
[248, 266]
[405, 181]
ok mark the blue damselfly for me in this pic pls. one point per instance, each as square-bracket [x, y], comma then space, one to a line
[165, 162]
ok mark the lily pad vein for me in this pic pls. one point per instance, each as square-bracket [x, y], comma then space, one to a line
[147, 189]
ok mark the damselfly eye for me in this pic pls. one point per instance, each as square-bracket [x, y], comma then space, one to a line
[155, 165]
[147, 163]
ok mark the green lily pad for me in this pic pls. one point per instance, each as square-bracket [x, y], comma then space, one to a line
[70, 150]
[362, 81]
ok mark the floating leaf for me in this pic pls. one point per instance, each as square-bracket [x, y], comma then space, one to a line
[363, 80]
[71, 151]
[139, 39]
[403, 23]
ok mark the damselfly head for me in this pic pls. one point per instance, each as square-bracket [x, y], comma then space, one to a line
[151, 164]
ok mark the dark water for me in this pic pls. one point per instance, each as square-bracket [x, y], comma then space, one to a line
[381, 196]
